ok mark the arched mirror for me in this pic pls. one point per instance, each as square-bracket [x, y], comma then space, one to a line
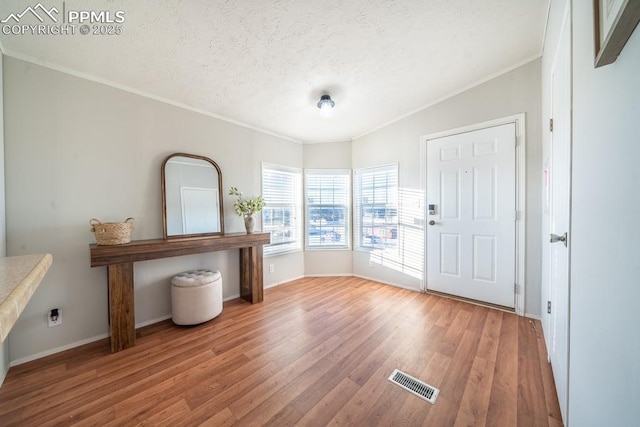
[191, 197]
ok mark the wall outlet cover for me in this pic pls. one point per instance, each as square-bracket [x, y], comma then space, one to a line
[57, 321]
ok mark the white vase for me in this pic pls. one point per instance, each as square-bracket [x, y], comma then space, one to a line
[249, 223]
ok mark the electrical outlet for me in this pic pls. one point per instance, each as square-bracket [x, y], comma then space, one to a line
[272, 268]
[54, 317]
[371, 263]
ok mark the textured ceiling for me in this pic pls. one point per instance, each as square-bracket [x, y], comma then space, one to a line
[266, 63]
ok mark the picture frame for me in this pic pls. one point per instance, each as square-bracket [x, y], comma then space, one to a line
[614, 22]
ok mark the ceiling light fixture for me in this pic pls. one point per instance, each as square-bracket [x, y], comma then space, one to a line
[326, 105]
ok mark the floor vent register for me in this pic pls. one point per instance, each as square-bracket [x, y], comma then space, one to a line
[415, 386]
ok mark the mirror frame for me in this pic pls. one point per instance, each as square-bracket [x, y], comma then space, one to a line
[164, 197]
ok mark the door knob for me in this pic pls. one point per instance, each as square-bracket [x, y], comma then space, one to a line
[432, 222]
[555, 238]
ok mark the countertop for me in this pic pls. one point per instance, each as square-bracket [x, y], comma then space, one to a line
[20, 276]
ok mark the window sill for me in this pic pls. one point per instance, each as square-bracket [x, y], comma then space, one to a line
[328, 248]
[287, 252]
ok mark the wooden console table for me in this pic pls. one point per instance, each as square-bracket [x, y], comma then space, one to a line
[119, 262]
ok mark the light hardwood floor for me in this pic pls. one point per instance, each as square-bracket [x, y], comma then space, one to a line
[317, 351]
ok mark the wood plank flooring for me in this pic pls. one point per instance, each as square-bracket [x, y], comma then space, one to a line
[316, 352]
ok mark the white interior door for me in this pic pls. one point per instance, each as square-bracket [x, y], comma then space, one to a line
[559, 213]
[471, 232]
[198, 204]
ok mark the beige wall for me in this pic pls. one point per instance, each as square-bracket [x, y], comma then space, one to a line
[77, 149]
[515, 92]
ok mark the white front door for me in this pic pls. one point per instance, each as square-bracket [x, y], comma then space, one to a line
[471, 231]
[559, 213]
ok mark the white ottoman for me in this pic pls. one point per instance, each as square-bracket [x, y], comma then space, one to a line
[196, 296]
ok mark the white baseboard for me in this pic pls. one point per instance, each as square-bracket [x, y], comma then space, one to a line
[162, 318]
[57, 350]
[397, 285]
[329, 275]
[285, 281]
[533, 316]
[3, 374]
[230, 297]
[79, 343]
[152, 321]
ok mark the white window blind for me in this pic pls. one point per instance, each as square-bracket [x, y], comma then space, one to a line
[375, 193]
[281, 190]
[327, 196]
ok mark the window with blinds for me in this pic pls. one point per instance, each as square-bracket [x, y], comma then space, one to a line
[327, 196]
[375, 192]
[282, 190]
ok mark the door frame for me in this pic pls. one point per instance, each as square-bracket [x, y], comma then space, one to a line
[519, 121]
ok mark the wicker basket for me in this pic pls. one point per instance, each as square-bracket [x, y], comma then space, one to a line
[112, 233]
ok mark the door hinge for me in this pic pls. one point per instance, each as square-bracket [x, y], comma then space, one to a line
[550, 125]
[549, 307]
[515, 288]
[516, 215]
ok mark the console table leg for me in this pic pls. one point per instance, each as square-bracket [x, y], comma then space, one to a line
[251, 284]
[121, 306]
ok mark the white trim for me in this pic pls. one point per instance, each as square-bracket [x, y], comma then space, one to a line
[328, 171]
[471, 301]
[423, 189]
[330, 275]
[103, 336]
[153, 321]
[287, 252]
[355, 233]
[142, 93]
[533, 316]
[3, 374]
[546, 28]
[329, 141]
[384, 282]
[281, 168]
[80, 343]
[298, 204]
[452, 94]
[130, 89]
[230, 297]
[58, 349]
[273, 285]
[349, 206]
[519, 121]
[328, 248]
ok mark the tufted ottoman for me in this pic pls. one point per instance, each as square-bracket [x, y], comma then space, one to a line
[196, 296]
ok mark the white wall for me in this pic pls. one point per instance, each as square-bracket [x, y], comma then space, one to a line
[514, 92]
[3, 233]
[4, 353]
[330, 155]
[77, 149]
[605, 236]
